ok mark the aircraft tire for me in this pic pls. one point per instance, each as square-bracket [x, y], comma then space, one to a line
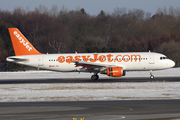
[94, 77]
[151, 77]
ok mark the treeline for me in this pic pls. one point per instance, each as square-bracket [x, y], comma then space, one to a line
[64, 31]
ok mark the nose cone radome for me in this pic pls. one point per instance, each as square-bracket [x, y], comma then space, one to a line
[172, 63]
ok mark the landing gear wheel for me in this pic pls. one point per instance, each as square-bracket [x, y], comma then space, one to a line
[151, 77]
[94, 77]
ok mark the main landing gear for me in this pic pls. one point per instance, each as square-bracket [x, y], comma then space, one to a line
[151, 76]
[95, 77]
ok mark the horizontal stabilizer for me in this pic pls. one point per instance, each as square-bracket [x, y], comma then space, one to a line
[16, 60]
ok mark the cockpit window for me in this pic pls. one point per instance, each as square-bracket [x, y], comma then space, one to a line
[163, 58]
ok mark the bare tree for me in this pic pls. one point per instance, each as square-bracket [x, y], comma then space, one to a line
[54, 11]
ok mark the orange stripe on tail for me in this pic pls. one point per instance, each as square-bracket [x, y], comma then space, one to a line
[20, 44]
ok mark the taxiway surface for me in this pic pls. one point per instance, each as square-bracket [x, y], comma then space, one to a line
[160, 79]
[92, 110]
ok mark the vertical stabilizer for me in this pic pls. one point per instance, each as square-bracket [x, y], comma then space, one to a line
[20, 44]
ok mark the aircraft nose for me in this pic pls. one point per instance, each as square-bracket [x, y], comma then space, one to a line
[172, 63]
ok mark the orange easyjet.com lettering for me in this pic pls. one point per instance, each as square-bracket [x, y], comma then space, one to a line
[101, 58]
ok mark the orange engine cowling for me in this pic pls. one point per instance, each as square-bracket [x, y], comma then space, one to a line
[115, 71]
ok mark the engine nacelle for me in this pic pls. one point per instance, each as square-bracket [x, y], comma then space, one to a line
[115, 71]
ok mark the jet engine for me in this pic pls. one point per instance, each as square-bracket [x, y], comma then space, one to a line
[115, 71]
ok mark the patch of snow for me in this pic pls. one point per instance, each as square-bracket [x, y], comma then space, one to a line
[89, 91]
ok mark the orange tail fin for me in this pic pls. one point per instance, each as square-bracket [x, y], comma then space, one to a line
[20, 44]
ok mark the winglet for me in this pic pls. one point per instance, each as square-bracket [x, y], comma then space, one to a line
[20, 44]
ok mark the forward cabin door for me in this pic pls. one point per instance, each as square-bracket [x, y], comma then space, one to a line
[151, 59]
[40, 61]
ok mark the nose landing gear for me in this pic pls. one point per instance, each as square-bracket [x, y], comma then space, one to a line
[151, 75]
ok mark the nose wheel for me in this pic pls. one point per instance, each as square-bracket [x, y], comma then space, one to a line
[95, 77]
[151, 75]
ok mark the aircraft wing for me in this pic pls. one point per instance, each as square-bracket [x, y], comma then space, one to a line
[89, 66]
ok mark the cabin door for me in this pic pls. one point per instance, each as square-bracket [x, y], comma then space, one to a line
[40, 61]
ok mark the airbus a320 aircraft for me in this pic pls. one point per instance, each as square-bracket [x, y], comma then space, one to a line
[111, 64]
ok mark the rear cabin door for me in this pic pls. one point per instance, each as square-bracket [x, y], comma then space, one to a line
[40, 61]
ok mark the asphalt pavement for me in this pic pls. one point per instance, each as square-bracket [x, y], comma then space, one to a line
[92, 110]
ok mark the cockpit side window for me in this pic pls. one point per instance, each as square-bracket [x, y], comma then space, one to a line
[163, 58]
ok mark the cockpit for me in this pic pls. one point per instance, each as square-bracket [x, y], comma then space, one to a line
[163, 58]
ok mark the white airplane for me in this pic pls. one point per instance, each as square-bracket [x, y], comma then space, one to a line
[111, 64]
